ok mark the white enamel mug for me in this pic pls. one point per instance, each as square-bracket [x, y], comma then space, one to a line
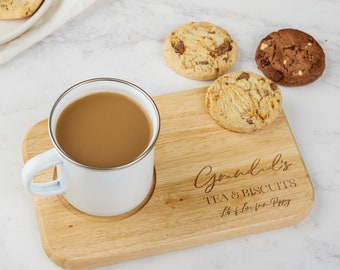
[97, 191]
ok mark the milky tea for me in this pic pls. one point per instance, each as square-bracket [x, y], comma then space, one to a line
[103, 130]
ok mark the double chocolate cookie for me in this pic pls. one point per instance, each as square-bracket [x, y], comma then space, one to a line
[290, 57]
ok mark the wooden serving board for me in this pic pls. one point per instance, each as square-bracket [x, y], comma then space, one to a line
[211, 184]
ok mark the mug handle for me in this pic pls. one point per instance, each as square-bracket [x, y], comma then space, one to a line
[37, 164]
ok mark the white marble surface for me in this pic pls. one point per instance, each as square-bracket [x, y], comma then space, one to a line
[124, 38]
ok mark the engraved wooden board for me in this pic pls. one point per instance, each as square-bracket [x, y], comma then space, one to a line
[212, 184]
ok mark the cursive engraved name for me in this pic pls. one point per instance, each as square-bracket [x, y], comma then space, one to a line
[207, 179]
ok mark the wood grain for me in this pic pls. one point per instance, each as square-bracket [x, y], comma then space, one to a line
[212, 184]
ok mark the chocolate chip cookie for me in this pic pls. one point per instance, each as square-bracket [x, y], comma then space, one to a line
[18, 9]
[200, 50]
[243, 101]
[290, 57]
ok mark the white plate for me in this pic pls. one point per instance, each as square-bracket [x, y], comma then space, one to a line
[10, 29]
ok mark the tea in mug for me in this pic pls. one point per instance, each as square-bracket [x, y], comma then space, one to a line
[103, 130]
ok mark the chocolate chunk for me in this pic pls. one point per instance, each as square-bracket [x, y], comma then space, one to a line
[291, 47]
[278, 76]
[223, 48]
[203, 62]
[273, 86]
[244, 75]
[250, 121]
[179, 47]
[265, 62]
